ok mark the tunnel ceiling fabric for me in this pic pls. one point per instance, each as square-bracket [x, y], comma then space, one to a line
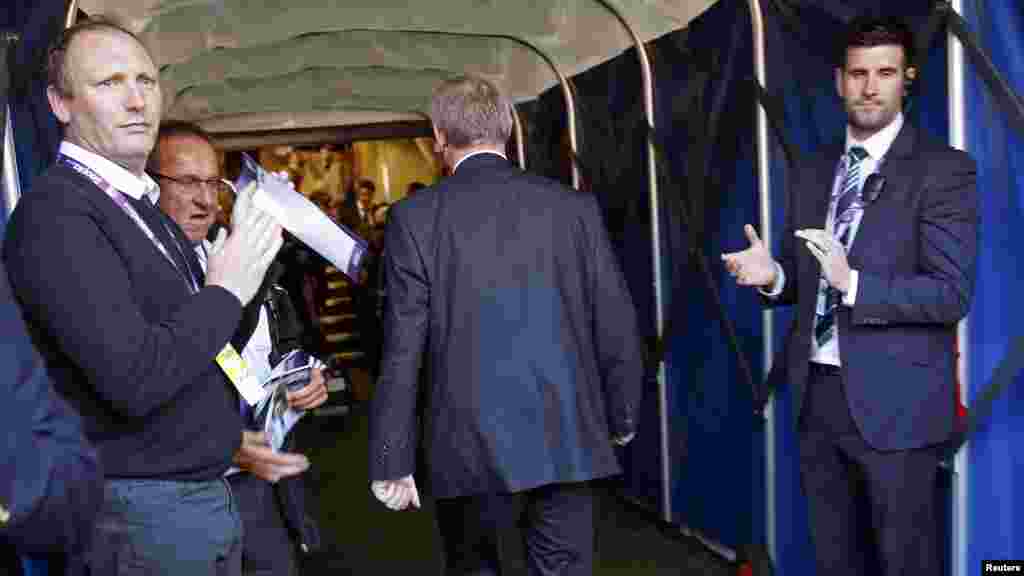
[238, 65]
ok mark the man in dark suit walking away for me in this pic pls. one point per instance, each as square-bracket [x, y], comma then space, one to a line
[506, 285]
[878, 294]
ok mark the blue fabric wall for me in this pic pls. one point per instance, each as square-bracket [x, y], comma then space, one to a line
[716, 443]
[997, 316]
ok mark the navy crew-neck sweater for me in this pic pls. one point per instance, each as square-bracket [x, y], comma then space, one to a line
[124, 339]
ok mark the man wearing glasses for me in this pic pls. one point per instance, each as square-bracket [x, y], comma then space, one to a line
[275, 529]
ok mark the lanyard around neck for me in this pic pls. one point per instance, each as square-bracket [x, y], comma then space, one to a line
[121, 200]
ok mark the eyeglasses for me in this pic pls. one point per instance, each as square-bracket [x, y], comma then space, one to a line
[217, 185]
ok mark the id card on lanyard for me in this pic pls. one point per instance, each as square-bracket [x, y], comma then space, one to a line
[230, 362]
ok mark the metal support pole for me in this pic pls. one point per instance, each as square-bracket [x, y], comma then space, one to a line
[72, 14]
[647, 77]
[12, 183]
[517, 125]
[763, 151]
[958, 139]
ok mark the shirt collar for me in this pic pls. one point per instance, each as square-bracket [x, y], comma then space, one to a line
[126, 182]
[477, 153]
[877, 144]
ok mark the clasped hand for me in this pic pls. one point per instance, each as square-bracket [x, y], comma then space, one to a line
[830, 254]
[396, 494]
[239, 261]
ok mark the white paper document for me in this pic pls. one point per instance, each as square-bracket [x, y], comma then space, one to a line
[275, 195]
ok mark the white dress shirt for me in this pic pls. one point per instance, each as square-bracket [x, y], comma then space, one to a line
[477, 153]
[124, 181]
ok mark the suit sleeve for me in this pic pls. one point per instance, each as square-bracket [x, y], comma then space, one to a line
[394, 429]
[615, 329]
[50, 480]
[940, 293]
[67, 274]
[787, 256]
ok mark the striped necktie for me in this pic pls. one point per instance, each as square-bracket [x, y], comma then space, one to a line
[846, 210]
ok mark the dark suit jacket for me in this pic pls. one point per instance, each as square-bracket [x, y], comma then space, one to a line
[507, 283]
[50, 478]
[915, 252]
[124, 340]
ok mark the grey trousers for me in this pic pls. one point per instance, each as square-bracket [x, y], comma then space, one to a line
[166, 527]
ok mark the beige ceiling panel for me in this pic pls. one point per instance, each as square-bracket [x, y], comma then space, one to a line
[314, 89]
[243, 58]
[359, 49]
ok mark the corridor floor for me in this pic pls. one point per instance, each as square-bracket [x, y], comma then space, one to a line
[363, 538]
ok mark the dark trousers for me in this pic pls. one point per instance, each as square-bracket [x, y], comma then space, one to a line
[871, 512]
[267, 548]
[164, 527]
[549, 529]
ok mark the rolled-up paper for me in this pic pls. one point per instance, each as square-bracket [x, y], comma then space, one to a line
[293, 211]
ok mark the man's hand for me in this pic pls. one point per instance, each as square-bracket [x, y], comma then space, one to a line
[753, 266]
[238, 262]
[396, 494]
[311, 395]
[257, 457]
[830, 254]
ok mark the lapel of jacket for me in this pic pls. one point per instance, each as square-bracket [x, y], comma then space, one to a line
[826, 169]
[898, 170]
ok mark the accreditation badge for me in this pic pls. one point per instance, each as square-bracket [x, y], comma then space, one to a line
[237, 370]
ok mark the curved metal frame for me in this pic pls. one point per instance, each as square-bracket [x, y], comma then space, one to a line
[11, 182]
[517, 125]
[647, 78]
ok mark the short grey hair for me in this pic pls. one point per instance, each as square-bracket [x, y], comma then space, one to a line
[471, 111]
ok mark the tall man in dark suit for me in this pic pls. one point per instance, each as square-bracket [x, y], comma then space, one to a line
[878, 293]
[129, 331]
[506, 284]
[50, 480]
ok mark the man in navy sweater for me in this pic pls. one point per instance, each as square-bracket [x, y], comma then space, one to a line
[131, 334]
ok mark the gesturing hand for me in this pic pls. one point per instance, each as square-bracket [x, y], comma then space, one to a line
[238, 261]
[753, 266]
[256, 456]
